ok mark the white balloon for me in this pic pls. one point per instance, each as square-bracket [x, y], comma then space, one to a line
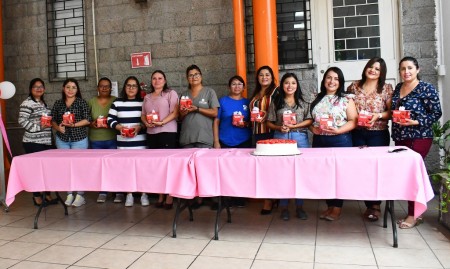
[7, 90]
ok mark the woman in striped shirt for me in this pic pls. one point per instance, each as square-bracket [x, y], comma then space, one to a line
[125, 117]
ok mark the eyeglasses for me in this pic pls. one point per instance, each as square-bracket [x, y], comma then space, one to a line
[196, 75]
[74, 88]
[38, 87]
[131, 86]
[237, 84]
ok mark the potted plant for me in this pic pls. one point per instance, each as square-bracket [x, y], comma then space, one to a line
[441, 137]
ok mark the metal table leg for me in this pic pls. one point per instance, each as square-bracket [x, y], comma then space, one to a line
[178, 210]
[390, 209]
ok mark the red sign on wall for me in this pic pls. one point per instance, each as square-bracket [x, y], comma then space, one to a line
[141, 59]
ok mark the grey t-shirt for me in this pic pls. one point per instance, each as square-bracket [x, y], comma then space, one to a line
[195, 127]
[302, 113]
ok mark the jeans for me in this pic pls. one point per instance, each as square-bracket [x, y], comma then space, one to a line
[82, 144]
[371, 138]
[333, 141]
[105, 144]
[302, 142]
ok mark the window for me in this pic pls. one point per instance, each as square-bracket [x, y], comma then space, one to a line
[356, 29]
[66, 39]
[294, 34]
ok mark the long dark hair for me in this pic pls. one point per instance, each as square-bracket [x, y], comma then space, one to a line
[410, 59]
[383, 71]
[258, 86]
[323, 90]
[32, 82]
[298, 95]
[123, 93]
[77, 94]
[165, 88]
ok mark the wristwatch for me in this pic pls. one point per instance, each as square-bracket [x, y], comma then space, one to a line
[198, 109]
[380, 116]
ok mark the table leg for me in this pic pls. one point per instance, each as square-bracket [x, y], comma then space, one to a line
[390, 209]
[62, 202]
[178, 210]
[220, 207]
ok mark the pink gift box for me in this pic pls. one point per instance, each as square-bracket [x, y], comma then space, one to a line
[364, 120]
[68, 118]
[289, 119]
[400, 115]
[152, 117]
[46, 121]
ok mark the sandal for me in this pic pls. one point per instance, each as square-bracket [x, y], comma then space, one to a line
[374, 214]
[407, 225]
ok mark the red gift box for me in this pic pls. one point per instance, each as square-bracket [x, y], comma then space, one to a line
[364, 119]
[101, 122]
[400, 115]
[238, 119]
[68, 118]
[326, 121]
[152, 117]
[256, 115]
[185, 102]
[46, 121]
[128, 131]
[289, 118]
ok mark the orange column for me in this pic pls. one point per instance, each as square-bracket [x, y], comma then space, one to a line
[2, 102]
[265, 34]
[239, 40]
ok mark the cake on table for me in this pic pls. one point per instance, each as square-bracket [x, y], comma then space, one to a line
[276, 147]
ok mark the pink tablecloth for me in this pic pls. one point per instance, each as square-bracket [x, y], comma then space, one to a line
[157, 171]
[319, 173]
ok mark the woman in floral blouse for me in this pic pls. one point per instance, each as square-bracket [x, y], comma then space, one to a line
[334, 118]
[372, 97]
[422, 100]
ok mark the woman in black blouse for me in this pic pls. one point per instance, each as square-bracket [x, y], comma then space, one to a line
[71, 133]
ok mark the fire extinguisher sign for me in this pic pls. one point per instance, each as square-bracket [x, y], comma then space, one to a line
[141, 59]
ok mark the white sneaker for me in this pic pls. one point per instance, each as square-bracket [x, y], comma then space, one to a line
[79, 201]
[69, 199]
[101, 198]
[118, 198]
[130, 200]
[144, 200]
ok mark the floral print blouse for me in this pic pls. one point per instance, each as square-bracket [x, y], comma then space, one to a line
[334, 106]
[373, 103]
[423, 102]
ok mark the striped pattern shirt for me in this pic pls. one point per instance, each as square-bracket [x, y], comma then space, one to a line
[127, 113]
[30, 113]
[263, 104]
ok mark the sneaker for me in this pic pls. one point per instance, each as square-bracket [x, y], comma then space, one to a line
[144, 200]
[118, 198]
[285, 215]
[130, 200]
[79, 201]
[101, 198]
[69, 199]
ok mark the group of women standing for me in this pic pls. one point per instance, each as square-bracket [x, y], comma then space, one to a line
[209, 122]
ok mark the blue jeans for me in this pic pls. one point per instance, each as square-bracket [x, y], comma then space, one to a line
[371, 138]
[106, 144]
[333, 141]
[302, 142]
[82, 144]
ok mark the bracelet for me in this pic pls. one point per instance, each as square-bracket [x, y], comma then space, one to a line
[198, 110]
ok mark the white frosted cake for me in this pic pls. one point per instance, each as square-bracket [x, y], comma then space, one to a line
[276, 147]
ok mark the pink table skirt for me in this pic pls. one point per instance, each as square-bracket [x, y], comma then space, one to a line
[318, 173]
[157, 171]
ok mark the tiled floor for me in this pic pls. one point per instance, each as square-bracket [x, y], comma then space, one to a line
[112, 236]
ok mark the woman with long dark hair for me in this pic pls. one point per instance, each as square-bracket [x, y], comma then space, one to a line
[334, 117]
[372, 98]
[421, 99]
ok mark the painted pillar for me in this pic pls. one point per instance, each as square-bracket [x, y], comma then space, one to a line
[265, 34]
[239, 40]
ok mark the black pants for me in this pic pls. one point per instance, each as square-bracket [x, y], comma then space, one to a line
[32, 148]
